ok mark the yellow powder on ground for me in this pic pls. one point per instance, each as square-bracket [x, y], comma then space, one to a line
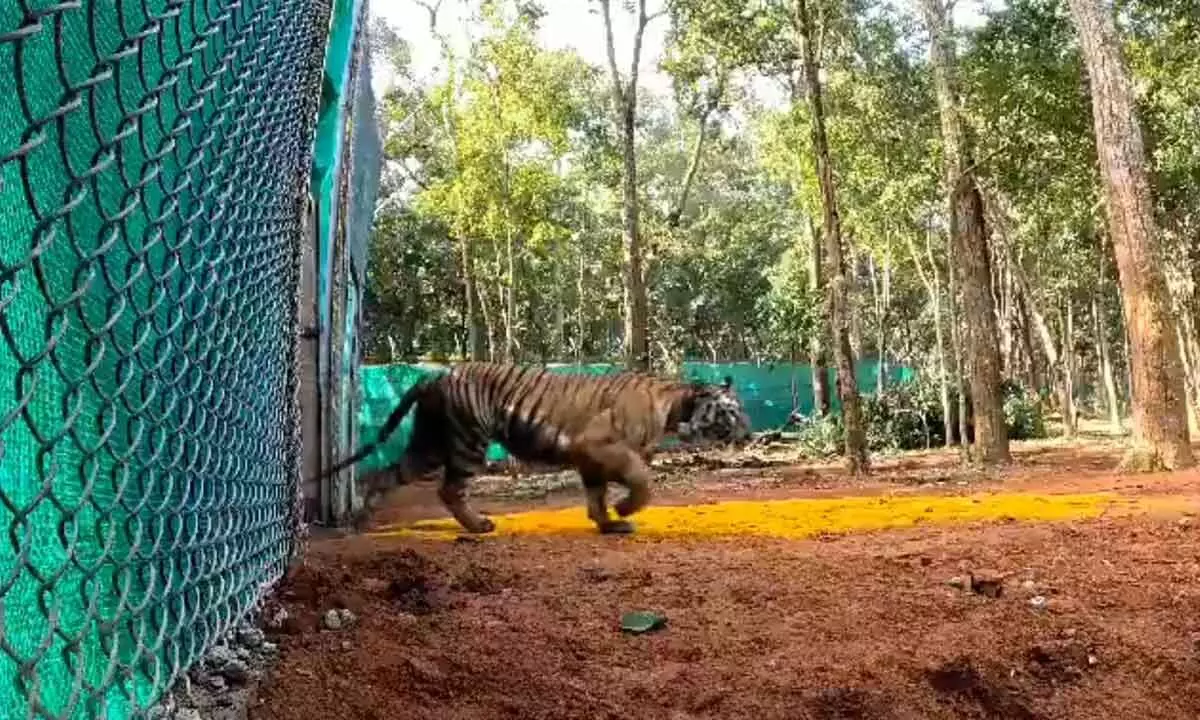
[808, 517]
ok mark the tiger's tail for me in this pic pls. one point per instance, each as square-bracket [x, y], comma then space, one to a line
[389, 426]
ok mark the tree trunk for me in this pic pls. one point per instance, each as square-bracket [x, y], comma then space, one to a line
[1034, 380]
[510, 295]
[933, 286]
[852, 295]
[972, 263]
[880, 290]
[637, 348]
[1070, 417]
[1128, 366]
[956, 343]
[477, 326]
[1160, 427]
[1187, 361]
[1103, 355]
[580, 311]
[816, 342]
[836, 294]
[713, 101]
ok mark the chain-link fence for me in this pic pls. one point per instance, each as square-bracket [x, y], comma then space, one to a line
[155, 162]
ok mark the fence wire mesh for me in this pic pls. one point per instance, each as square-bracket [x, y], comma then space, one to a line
[151, 152]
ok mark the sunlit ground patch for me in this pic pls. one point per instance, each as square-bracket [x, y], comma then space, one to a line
[809, 517]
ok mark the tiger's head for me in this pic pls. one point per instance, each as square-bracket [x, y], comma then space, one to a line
[714, 413]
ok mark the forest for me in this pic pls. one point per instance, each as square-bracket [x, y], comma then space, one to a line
[1007, 207]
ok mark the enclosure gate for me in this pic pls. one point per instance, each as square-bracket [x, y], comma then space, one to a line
[156, 160]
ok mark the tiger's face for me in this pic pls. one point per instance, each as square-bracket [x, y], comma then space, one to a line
[717, 415]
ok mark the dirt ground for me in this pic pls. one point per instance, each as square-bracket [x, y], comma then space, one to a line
[1092, 619]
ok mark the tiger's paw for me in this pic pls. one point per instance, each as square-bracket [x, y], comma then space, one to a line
[481, 526]
[616, 527]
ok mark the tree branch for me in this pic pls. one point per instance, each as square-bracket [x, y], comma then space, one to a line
[618, 91]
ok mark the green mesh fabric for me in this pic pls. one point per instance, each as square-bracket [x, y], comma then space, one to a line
[765, 392]
[150, 156]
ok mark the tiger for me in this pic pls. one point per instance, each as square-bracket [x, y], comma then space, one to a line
[606, 427]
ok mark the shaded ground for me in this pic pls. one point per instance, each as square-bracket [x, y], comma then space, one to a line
[1099, 618]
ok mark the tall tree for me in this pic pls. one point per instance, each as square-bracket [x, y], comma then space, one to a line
[624, 99]
[1160, 426]
[837, 300]
[971, 255]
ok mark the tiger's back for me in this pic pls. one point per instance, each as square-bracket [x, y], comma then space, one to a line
[537, 415]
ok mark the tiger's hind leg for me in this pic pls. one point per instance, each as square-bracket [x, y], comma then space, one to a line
[453, 493]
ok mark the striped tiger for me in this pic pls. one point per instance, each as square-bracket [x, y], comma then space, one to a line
[606, 427]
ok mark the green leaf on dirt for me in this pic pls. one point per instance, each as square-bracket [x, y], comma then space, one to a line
[642, 622]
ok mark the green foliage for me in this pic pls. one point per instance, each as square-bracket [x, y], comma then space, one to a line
[505, 171]
[1023, 412]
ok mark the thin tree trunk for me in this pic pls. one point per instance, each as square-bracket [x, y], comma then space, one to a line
[1160, 427]
[881, 291]
[510, 295]
[852, 295]
[855, 433]
[1104, 358]
[636, 340]
[1034, 379]
[580, 312]
[1128, 367]
[476, 324]
[933, 287]
[816, 342]
[1187, 362]
[1070, 417]
[972, 262]
[957, 346]
[711, 104]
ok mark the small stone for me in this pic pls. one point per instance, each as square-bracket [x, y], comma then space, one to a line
[1184, 522]
[1092, 660]
[348, 618]
[187, 714]
[988, 584]
[406, 619]
[1038, 602]
[243, 653]
[347, 645]
[276, 619]
[1069, 633]
[216, 683]
[236, 672]
[1028, 586]
[426, 670]
[333, 620]
[251, 637]
[269, 648]
[595, 574]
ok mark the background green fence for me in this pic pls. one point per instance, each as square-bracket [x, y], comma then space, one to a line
[155, 163]
[768, 392]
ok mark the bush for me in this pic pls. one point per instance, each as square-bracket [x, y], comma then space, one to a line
[909, 417]
[820, 437]
[1023, 412]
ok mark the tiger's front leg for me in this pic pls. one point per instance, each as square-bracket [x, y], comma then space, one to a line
[601, 464]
